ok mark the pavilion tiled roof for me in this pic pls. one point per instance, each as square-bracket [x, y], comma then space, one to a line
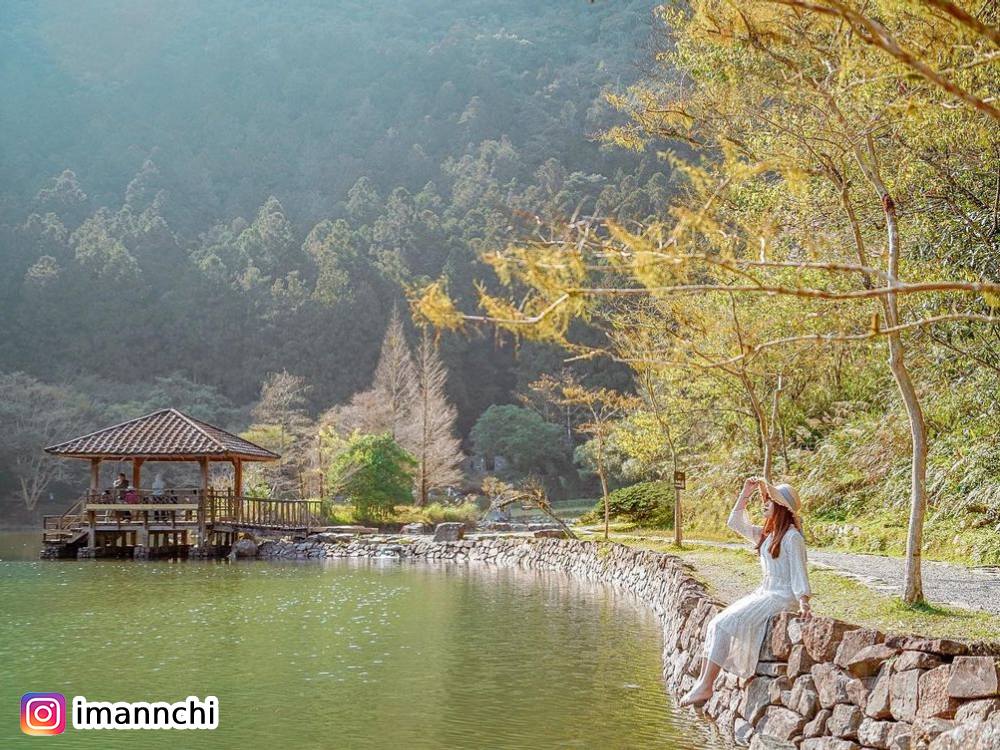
[165, 434]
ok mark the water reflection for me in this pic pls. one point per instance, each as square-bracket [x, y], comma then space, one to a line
[346, 654]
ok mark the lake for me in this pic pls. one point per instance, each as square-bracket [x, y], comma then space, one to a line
[340, 654]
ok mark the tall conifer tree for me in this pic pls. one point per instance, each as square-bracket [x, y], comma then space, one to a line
[395, 382]
[438, 451]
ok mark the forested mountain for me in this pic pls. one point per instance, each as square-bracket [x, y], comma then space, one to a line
[209, 192]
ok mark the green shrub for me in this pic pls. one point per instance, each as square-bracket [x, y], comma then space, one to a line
[644, 504]
[375, 474]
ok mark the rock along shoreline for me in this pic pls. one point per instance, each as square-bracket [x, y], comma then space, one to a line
[821, 684]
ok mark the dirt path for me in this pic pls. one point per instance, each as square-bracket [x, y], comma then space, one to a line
[944, 583]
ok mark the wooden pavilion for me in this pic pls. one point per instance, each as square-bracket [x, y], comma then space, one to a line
[167, 521]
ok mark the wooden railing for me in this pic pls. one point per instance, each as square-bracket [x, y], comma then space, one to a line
[57, 528]
[186, 495]
[181, 506]
[261, 512]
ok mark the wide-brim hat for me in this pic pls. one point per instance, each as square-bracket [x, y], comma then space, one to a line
[785, 494]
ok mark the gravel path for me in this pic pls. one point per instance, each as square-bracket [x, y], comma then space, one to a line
[944, 583]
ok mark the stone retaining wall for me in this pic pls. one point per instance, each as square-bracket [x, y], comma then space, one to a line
[821, 684]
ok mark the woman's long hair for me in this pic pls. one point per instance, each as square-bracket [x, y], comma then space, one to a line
[779, 522]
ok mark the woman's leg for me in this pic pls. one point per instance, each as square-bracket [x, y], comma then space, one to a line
[705, 685]
[711, 672]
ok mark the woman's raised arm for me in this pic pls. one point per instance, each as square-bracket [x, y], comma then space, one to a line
[739, 521]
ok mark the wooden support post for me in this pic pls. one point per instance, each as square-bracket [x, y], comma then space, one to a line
[237, 490]
[95, 476]
[202, 519]
[137, 472]
[238, 477]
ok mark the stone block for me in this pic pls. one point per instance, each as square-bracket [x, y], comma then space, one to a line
[903, 694]
[799, 661]
[925, 730]
[794, 631]
[900, 736]
[781, 644]
[831, 685]
[804, 699]
[874, 733]
[742, 731]
[973, 735]
[844, 721]
[822, 637]
[858, 691]
[916, 660]
[877, 705]
[414, 528]
[449, 532]
[933, 700]
[977, 710]
[245, 547]
[974, 677]
[780, 723]
[828, 743]
[867, 661]
[939, 646]
[853, 642]
[771, 668]
[755, 699]
[778, 688]
[817, 727]
[766, 651]
[760, 742]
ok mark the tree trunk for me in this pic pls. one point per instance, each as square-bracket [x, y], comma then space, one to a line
[604, 487]
[678, 531]
[678, 535]
[913, 589]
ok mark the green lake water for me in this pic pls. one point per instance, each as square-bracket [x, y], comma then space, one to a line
[342, 654]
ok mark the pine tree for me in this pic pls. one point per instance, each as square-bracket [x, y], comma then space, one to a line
[281, 423]
[395, 382]
[438, 451]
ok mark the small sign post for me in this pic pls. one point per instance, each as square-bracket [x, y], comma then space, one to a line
[680, 482]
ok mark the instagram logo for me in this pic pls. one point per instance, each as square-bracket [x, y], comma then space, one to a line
[43, 713]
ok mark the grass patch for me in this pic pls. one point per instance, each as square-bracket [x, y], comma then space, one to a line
[731, 573]
[433, 513]
[947, 538]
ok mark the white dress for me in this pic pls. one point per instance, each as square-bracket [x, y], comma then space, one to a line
[735, 635]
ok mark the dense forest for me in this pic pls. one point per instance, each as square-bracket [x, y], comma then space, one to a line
[197, 196]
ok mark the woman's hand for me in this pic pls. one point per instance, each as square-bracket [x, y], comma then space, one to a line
[750, 485]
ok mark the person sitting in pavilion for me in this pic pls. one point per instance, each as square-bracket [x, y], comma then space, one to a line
[120, 485]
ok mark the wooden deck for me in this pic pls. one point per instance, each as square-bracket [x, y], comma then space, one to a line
[180, 519]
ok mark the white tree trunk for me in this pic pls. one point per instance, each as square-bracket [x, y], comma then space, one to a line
[913, 589]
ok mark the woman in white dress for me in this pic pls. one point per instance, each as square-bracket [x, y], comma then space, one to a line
[735, 635]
